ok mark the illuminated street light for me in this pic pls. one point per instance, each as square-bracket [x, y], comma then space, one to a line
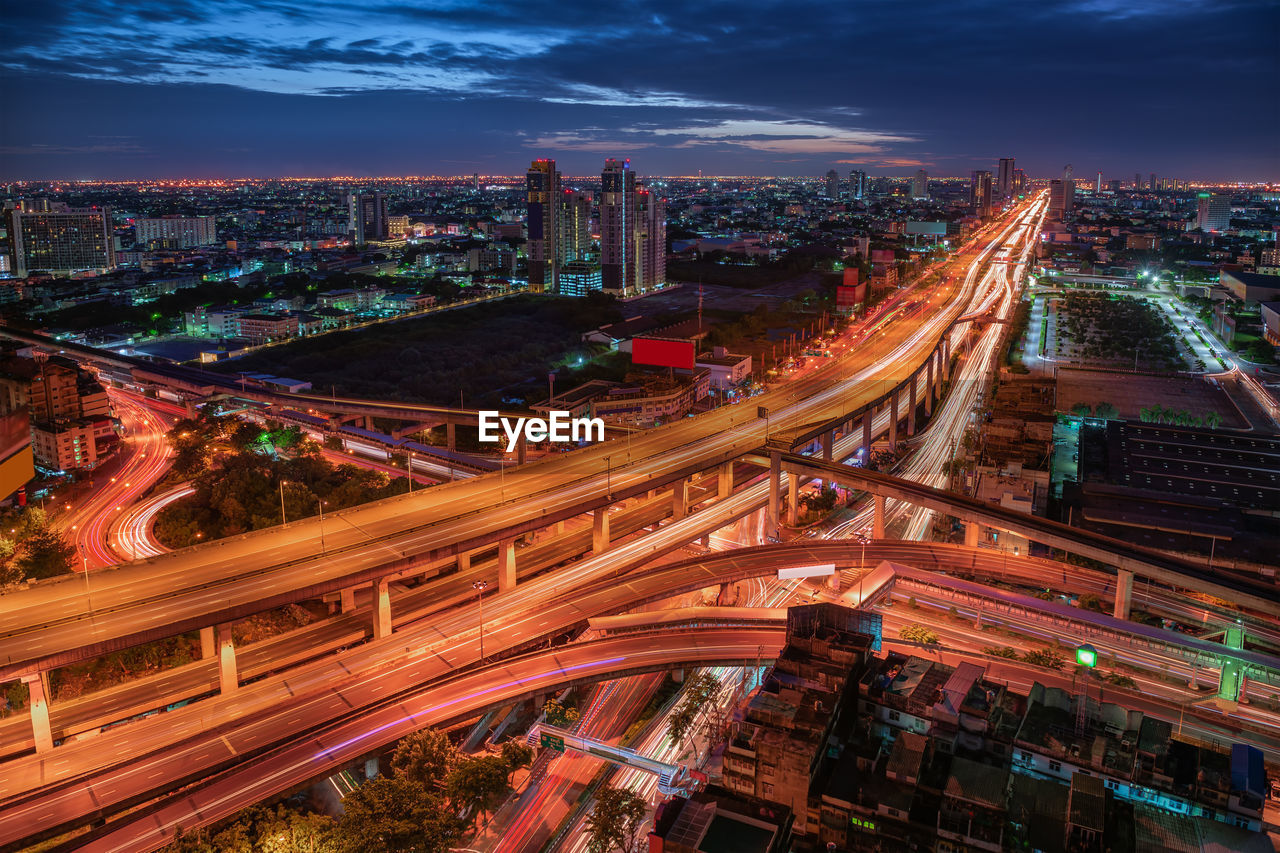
[479, 587]
[1087, 655]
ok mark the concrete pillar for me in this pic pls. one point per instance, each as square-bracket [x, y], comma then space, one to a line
[208, 643]
[371, 767]
[451, 435]
[725, 485]
[599, 530]
[893, 420]
[828, 439]
[911, 406]
[559, 528]
[347, 599]
[705, 541]
[928, 386]
[946, 356]
[793, 498]
[464, 562]
[877, 518]
[368, 423]
[381, 609]
[522, 449]
[506, 565]
[866, 436]
[38, 700]
[775, 474]
[680, 499]
[1124, 594]
[228, 675]
[972, 533]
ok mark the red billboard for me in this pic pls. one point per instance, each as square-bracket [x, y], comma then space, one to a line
[848, 298]
[882, 256]
[662, 353]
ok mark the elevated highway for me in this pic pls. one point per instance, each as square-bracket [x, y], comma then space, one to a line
[450, 522]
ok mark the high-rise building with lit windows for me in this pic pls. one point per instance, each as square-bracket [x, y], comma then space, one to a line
[1213, 212]
[575, 225]
[651, 239]
[857, 184]
[1019, 182]
[617, 226]
[980, 192]
[833, 184]
[920, 185]
[55, 238]
[368, 217]
[1004, 178]
[543, 198]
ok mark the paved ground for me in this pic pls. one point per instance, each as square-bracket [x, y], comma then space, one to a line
[1130, 393]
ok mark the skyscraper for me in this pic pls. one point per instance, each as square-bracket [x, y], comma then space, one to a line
[857, 184]
[575, 225]
[617, 226]
[543, 198]
[1061, 198]
[980, 192]
[1213, 212]
[1019, 182]
[1154, 185]
[1137, 180]
[1004, 182]
[1097, 187]
[651, 240]
[920, 185]
[368, 216]
[833, 184]
[51, 236]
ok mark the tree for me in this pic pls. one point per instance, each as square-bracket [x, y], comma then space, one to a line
[697, 692]
[561, 716]
[394, 813]
[426, 757]
[517, 754]
[918, 633]
[1046, 658]
[478, 782]
[48, 553]
[1212, 420]
[615, 821]
[1081, 409]
[1106, 411]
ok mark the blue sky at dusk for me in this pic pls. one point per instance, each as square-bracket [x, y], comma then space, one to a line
[196, 88]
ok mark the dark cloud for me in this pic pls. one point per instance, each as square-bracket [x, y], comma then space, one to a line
[792, 87]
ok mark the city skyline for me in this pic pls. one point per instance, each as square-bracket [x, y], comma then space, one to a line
[162, 90]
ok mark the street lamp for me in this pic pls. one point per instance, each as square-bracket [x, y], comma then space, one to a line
[282, 517]
[479, 587]
[608, 478]
[322, 503]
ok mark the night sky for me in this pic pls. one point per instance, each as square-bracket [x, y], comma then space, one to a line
[227, 88]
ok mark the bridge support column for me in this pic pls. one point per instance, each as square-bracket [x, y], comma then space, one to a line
[451, 435]
[228, 675]
[911, 406]
[506, 565]
[828, 440]
[725, 484]
[208, 643]
[928, 387]
[1124, 594]
[680, 499]
[866, 437]
[972, 533]
[599, 530]
[775, 475]
[368, 422]
[877, 518]
[559, 529]
[946, 357]
[793, 498]
[381, 609]
[347, 599]
[38, 699]
[464, 562]
[893, 421]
